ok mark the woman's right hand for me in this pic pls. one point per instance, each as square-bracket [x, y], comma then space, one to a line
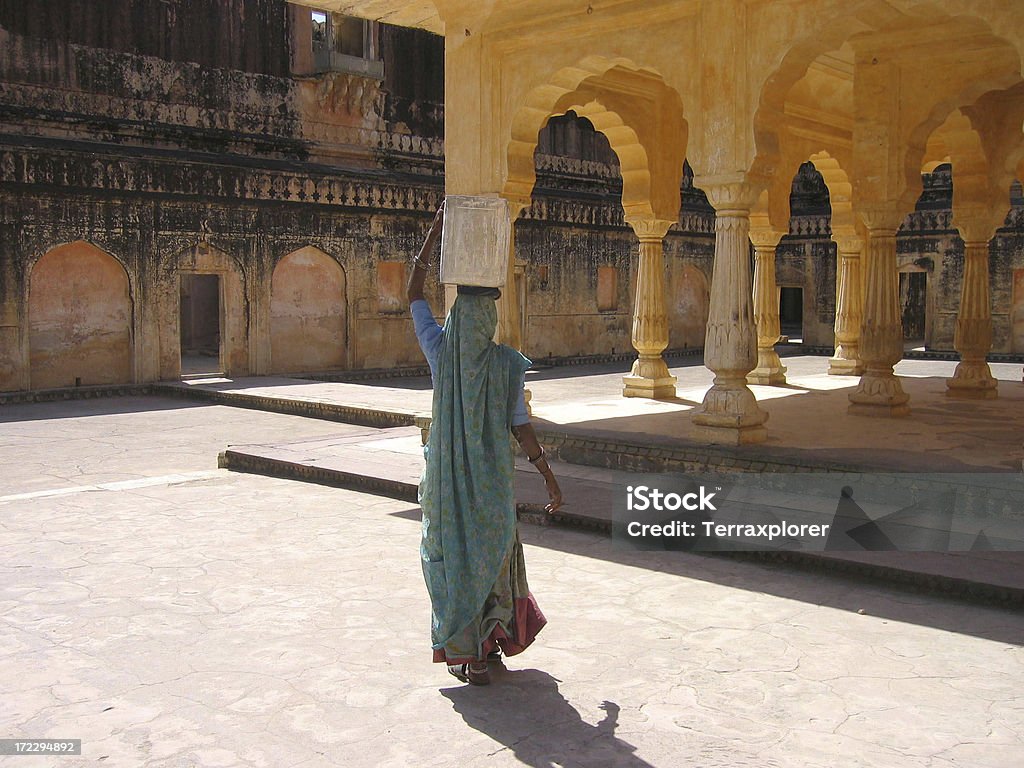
[554, 493]
[438, 222]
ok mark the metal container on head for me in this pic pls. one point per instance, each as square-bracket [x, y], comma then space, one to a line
[475, 241]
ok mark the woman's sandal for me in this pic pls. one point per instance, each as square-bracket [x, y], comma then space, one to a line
[474, 674]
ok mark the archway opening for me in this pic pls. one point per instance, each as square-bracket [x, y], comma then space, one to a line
[200, 324]
[575, 301]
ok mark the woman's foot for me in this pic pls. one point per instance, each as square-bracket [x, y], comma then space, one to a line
[474, 673]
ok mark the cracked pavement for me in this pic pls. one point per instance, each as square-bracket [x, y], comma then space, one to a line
[169, 613]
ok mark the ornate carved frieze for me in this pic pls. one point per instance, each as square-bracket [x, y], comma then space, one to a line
[167, 176]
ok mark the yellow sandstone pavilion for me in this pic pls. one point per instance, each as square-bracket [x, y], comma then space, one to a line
[873, 92]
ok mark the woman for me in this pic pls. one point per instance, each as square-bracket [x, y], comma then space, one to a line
[472, 558]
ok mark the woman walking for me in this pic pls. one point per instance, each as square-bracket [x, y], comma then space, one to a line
[472, 559]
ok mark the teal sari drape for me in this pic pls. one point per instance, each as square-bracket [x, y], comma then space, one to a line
[467, 489]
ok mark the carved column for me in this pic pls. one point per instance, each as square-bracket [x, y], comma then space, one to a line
[770, 369]
[649, 376]
[508, 304]
[729, 413]
[973, 335]
[849, 301]
[879, 392]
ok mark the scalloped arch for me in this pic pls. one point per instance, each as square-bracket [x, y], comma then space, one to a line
[587, 90]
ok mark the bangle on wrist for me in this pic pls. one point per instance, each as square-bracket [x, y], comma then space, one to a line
[540, 456]
[420, 263]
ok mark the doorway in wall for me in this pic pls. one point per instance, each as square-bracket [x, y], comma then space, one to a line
[201, 349]
[913, 296]
[791, 313]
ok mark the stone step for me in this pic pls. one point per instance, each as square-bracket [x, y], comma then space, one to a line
[389, 464]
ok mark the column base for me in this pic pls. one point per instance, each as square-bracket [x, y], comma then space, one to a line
[730, 435]
[973, 382]
[769, 371]
[879, 394]
[730, 415]
[662, 388]
[840, 366]
[649, 378]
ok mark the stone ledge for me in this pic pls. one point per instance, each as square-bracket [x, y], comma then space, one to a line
[74, 393]
[368, 417]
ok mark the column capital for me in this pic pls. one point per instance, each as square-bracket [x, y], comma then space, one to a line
[978, 222]
[764, 238]
[847, 242]
[731, 197]
[880, 218]
[648, 229]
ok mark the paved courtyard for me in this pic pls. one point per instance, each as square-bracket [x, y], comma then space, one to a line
[168, 613]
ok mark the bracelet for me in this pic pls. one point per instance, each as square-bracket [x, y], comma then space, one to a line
[540, 456]
[421, 264]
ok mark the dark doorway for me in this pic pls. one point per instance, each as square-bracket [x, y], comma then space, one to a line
[200, 325]
[913, 292]
[791, 313]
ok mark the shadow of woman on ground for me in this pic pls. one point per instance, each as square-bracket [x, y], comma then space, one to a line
[524, 710]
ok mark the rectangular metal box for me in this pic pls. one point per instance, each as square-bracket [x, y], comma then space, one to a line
[475, 241]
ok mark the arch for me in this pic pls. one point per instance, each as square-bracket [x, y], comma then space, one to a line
[80, 318]
[849, 41]
[308, 313]
[840, 192]
[639, 114]
[689, 301]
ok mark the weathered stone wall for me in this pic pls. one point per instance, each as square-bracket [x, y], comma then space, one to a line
[158, 240]
[241, 35]
[808, 261]
[165, 166]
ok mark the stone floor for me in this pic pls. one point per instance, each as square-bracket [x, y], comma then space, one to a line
[169, 613]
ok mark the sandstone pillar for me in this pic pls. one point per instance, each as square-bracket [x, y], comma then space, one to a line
[15, 363]
[649, 376]
[973, 335]
[729, 413]
[770, 369]
[259, 315]
[509, 317]
[849, 301]
[879, 392]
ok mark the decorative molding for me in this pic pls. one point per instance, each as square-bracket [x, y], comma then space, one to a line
[158, 176]
[570, 166]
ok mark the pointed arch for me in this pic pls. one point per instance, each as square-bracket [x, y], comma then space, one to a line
[308, 313]
[80, 318]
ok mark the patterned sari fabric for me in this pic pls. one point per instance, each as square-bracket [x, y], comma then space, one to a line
[472, 559]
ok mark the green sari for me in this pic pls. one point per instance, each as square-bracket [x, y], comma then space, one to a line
[472, 559]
